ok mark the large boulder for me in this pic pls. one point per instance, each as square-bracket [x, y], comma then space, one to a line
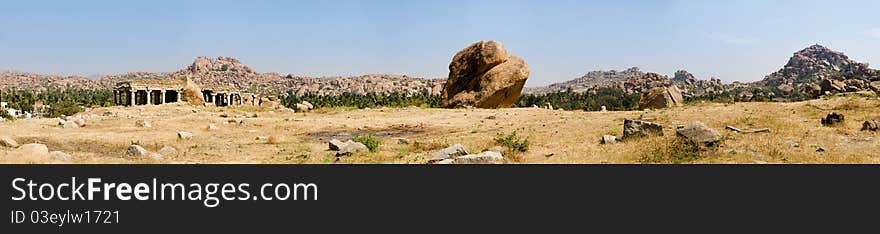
[483, 75]
[661, 97]
[192, 93]
[833, 86]
[699, 134]
[638, 128]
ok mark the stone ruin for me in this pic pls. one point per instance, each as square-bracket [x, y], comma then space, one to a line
[158, 92]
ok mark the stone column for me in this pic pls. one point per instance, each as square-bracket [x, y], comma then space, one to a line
[162, 97]
[131, 97]
[179, 95]
[149, 97]
[115, 97]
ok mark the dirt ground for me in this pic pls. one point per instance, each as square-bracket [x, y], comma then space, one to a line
[557, 137]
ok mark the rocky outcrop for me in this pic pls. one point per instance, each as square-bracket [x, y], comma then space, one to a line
[661, 97]
[483, 75]
[693, 87]
[818, 66]
[230, 72]
[588, 81]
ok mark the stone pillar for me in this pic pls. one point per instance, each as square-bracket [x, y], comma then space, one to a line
[149, 97]
[132, 97]
[115, 97]
[179, 94]
[162, 97]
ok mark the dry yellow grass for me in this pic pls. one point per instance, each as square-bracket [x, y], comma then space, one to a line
[555, 136]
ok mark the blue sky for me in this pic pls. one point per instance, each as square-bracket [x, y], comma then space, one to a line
[560, 40]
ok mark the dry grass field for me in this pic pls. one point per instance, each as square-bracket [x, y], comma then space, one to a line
[252, 135]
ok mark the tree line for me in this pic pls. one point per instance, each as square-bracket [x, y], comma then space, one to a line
[60, 102]
[68, 102]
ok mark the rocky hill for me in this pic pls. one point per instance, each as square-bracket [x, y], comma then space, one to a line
[225, 71]
[632, 80]
[817, 70]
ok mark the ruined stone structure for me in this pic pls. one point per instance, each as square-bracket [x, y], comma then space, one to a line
[157, 92]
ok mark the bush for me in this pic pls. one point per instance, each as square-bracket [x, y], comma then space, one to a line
[64, 108]
[676, 151]
[5, 115]
[513, 142]
[371, 142]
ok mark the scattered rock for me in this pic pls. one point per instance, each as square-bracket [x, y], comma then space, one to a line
[603, 109]
[350, 148]
[403, 141]
[6, 141]
[80, 122]
[143, 124]
[483, 75]
[301, 107]
[224, 115]
[335, 144]
[212, 127]
[791, 143]
[638, 128]
[488, 157]
[449, 152]
[184, 135]
[156, 156]
[58, 155]
[32, 150]
[446, 161]
[833, 119]
[308, 104]
[262, 138]
[821, 149]
[871, 125]
[346, 148]
[136, 151]
[167, 150]
[833, 86]
[699, 134]
[609, 139]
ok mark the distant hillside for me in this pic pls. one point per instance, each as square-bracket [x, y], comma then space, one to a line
[632, 80]
[816, 70]
[230, 71]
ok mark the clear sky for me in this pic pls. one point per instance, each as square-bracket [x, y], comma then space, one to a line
[560, 40]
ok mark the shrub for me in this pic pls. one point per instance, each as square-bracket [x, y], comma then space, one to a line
[676, 151]
[513, 142]
[64, 108]
[5, 115]
[371, 142]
